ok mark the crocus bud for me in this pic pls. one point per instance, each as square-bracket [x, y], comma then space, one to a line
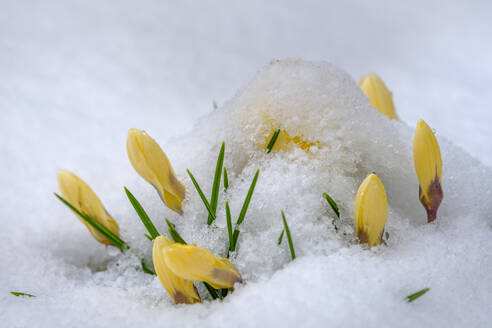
[195, 263]
[181, 290]
[371, 211]
[378, 94]
[81, 196]
[428, 166]
[151, 163]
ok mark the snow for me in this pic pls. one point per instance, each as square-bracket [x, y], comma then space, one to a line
[75, 76]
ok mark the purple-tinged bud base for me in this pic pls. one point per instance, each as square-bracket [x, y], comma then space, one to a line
[435, 196]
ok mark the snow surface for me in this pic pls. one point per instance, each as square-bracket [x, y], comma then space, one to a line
[75, 76]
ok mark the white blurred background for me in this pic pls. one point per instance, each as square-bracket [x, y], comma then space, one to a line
[158, 65]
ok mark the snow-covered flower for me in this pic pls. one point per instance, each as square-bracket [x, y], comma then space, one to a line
[428, 166]
[379, 95]
[83, 198]
[178, 265]
[152, 164]
[284, 140]
[371, 211]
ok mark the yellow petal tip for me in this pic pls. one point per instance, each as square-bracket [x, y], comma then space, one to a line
[378, 94]
[195, 263]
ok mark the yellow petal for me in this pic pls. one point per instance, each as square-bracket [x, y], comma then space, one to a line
[428, 166]
[379, 95]
[282, 142]
[151, 163]
[181, 290]
[371, 211]
[81, 196]
[302, 143]
[195, 263]
[285, 141]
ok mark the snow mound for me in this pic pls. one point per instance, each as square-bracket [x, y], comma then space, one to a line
[351, 139]
[334, 281]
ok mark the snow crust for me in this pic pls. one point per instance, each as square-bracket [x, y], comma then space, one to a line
[334, 281]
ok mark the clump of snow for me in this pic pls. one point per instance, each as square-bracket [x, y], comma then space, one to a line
[334, 280]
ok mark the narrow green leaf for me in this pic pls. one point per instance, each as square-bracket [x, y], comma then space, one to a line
[22, 294]
[177, 238]
[229, 223]
[170, 224]
[272, 141]
[148, 237]
[281, 237]
[202, 195]
[414, 296]
[332, 203]
[235, 237]
[146, 269]
[142, 214]
[226, 179]
[242, 214]
[174, 234]
[247, 200]
[108, 234]
[289, 237]
[212, 291]
[216, 185]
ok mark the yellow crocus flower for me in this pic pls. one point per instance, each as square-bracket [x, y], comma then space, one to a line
[371, 211]
[428, 166]
[151, 163]
[379, 95]
[195, 263]
[81, 196]
[181, 290]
